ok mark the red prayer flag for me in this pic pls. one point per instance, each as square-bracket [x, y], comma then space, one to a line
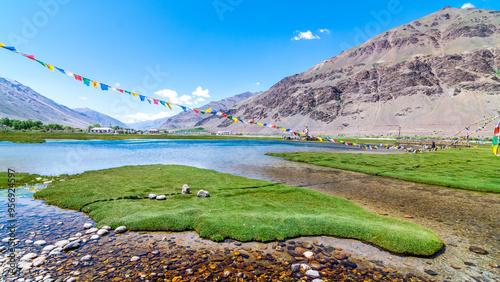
[119, 90]
[155, 101]
[78, 77]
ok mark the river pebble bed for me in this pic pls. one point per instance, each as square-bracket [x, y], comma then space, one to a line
[62, 245]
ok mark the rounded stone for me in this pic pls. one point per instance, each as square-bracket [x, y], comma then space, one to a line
[61, 243]
[91, 230]
[135, 258]
[152, 196]
[102, 232]
[49, 248]
[86, 258]
[39, 243]
[29, 256]
[121, 229]
[87, 225]
[312, 273]
[161, 197]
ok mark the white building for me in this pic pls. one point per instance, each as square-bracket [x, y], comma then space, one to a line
[224, 133]
[153, 131]
[101, 130]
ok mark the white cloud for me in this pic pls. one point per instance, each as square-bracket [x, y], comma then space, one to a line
[307, 35]
[200, 100]
[143, 116]
[468, 6]
[171, 94]
[117, 84]
[186, 99]
[200, 92]
[324, 30]
[83, 98]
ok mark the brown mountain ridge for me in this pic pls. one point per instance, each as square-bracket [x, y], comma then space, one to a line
[431, 77]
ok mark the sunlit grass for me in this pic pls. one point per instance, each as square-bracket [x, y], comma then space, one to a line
[239, 208]
[467, 168]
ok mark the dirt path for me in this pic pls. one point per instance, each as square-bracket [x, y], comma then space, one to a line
[461, 218]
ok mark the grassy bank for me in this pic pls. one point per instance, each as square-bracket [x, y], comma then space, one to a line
[465, 168]
[29, 137]
[20, 179]
[239, 208]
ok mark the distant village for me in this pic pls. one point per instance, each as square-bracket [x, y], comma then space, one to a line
[8, 125]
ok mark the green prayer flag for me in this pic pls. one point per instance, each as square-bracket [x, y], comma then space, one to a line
[86, 81]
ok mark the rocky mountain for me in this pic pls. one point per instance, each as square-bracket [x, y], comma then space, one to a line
[18, 101]
[431, 76]
[102, 119]
[190, 119]
[148, 124]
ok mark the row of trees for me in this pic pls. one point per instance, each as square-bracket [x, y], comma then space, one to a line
[31, 125]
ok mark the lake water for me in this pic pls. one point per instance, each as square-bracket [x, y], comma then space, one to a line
[71, 156]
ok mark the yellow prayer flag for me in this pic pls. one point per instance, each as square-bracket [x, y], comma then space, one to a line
[283, 129]
[209, 110]
[169, 105]
[135, 95]
[319, 138]
[50, 67]
[1, 45]
[95, 84]
[235, 120]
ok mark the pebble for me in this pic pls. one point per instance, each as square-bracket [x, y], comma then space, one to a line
[56, 252]
[61, 243]
[106, 227]
[29, 256]
[152, 196]
[91, 230]
[49, 248]
[307, 245]
[317, 280]
[478, 250]
[312, 273]
[135, 258]
[86, 258]
[39, 243]
[102, 232]
[186, 189]
[430, 272]
[87, 225]
[71, 246]
[39, 261]
[94, 237]
[203, 194]
[60, 223]
[121, 229]
[308, 254]
[161, 197]
[28, 241]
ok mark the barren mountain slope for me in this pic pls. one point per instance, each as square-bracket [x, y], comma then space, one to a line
[431, 76]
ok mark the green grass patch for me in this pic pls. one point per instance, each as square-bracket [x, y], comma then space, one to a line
[20, 179]
[39, 137]
[240, 208]
[465, 168]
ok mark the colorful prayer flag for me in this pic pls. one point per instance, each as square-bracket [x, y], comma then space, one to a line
[86, 81]
[95, 84]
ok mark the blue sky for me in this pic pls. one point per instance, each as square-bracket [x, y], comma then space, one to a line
[191, 52]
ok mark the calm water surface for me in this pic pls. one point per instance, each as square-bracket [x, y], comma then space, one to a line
[70, 157]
